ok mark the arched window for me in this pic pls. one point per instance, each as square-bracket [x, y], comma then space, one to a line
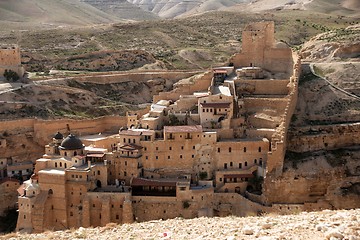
[56, 164]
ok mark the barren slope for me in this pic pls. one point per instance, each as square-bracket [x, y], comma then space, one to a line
[342, 224]
[29, 13]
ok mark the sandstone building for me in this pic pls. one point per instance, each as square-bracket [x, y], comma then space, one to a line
[10, 59]
[202, 149]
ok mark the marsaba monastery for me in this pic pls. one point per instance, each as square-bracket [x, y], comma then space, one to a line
[206, 148]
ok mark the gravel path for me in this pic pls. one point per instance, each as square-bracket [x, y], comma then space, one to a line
[342, 224]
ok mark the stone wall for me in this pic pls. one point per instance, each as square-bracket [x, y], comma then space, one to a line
[200, 83]
[8, 199]
[265, 86]
[43, 130]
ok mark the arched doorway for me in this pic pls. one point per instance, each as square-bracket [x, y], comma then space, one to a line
[98, 183]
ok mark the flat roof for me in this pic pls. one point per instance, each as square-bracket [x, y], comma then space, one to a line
[238, 176]
[137, 132]
[130, 147]
[185, 128]
[53, 171]
[95, 149]
[222, 90]
[96, 137]
[216, 105]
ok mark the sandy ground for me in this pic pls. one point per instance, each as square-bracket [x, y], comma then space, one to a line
[342, 224]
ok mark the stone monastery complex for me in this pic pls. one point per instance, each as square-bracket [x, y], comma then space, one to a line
[206, 148]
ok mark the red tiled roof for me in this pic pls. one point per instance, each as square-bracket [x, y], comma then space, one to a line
[152, 183]
[238, 175]
[181, 129]
[216, 105]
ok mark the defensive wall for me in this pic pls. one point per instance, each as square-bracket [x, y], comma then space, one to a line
[43, 130]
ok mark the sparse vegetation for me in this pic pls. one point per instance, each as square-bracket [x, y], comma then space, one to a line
[11, 76]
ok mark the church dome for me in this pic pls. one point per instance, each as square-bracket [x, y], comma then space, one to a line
[58, 136]
[71, 142]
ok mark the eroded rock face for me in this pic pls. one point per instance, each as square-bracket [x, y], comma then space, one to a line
[338, 44]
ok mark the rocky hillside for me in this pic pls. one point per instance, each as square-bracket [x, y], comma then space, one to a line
[342, 224]
[99, 61]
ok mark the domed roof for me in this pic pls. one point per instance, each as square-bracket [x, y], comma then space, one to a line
[58, 136]
[71, 142]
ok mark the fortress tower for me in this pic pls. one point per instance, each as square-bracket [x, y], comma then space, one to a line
[10, 59]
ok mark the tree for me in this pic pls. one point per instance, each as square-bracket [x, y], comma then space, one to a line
[11, 76]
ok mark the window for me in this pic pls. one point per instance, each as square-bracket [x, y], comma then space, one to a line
[124, 140]
[244, 149]
[168, 157]
[192, 156]
[125, 174]
[146, 157]
[220, 179]
[194, 147]
[117, 216]
[218, 149]
[240, 165]
[71, 214]
[180, 156]
[225, 165]
[157, 148]
[125, 163]
[203, 110]
[60, 164]
[145, 149]
[231, 164]
[245, 164]
[259, 149]
[98, 172]
[255, 161]
[170, 148]
[55, 166]
[229, 149]
[182, 147]
[156, 157]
